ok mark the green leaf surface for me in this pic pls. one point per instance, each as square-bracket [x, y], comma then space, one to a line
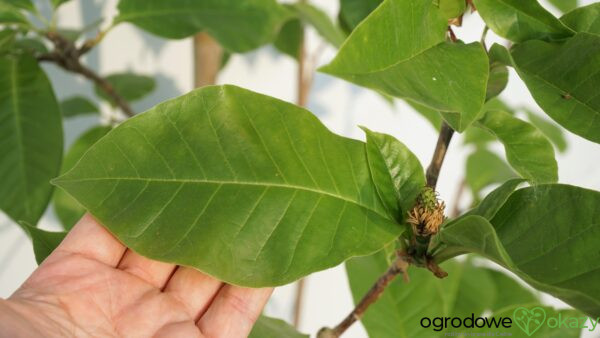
[320, 21]
[130, 86]
[564, 78]
[584, 19]
[11, 15]
[31, 138]
[290, 38]
[496, 199]
[521, 20]
[7, 39]
[478, 136]
[267, 327]
[484, 168]
[247, 188]
[44, 242]
[31, 45]
[239, 26]
[546, 234]
[57, 3]
[352, 12]
[77, 105]
[67, 209]
[553, 132]
[527, 149]
[451, 8]
[564, 5]
[513, 293]
[397, 173]
[414, 61]
[24, 4]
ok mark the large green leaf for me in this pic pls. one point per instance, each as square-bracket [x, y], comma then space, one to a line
[242, 186]
[552, 131]
[563, 79]
[130, 86]
[238, 25]
[31, 139]
[546, 234]
[412, 60]
[527, 149]
[584, 19]
[320, 21]
[267, 327]
[484, 168]
[77, 105]
[43, 241]
[396, 171]
[521, 20]
[67, 209]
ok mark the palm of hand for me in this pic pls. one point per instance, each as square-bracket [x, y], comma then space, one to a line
[91, 285]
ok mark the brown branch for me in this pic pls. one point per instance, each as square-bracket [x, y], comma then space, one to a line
[208, 55]
[457, 196]
[433, 171]
[399, 266]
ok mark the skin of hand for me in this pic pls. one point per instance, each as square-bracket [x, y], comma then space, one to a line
[92, 285]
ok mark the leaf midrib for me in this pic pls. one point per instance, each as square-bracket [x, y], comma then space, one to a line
[200, 181]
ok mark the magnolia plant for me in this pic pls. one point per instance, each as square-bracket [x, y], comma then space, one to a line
[257, 192]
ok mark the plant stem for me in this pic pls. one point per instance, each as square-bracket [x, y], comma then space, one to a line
[399, 266]
[483, 36]
[433, 171]
[459, 192]
[208, 55]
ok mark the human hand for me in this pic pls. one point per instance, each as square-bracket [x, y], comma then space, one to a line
[92, 285]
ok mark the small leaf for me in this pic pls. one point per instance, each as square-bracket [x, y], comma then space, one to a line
[267, 327]
[396, 171]
[239, 26]
[44, 242]
[521, 20]
[67, 209]
[352, 12]
[130, 86]
[320, 21]
[527, 150]
[290, 38]
[451, 8]
[496, 199]
[485, 168]
[498, 74]
[31, 138]
[552, 131]
[584, 19]
[564, 5]
[77, 105]
[247, 188]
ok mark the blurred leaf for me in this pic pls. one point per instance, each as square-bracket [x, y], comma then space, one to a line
[552, 131]
[77, 105]
[485, 168]
[11, 15]
[24, 4]
[267, 327]
[130, 86]
[31, 138]
[44, 242]
[584, 19]
[31, 45]
[70, 34]
[564, 5]
[478, 137]
[432, 115]
[352, 12]
[490, 205]
[512, 292]
[57, 3]
[290, 38]
[320, 21]
[67, 209]
[7, 39]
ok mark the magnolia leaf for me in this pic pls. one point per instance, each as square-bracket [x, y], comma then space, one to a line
[67, 209]
[552, 131]
[546, 234]
[527, 149]
[290, 38]
[521, 20]
[414, 61]
[512, 292]
[239, 26]
[564, 5]
[496, 199]
[44, 242]
[247, 188]
[320, 21]
[352, 12]
[566, 93]
[584, 19]
[130, 86]
[396, 171]
[31, 138]
[478, 136]
[267, 327]
[484, 168]
[451, 8]
[77, 105]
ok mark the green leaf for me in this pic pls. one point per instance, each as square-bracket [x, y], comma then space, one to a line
[24, 4]
[320, 21]
[247, 188]
[130, 86]
[267, 327]
[566, 93]
[414, 61]
[7, 39]
[239, 26]
[478, 136]
[552, 131]
[77, 105]
[496, 199]
[485, 168]
[44, 242]
[564, 5]
[498, 74]
[512, 292]
[67, 209]
[584, 19]
[31, 45]
[521, 20]
[11, 15]
[290, 38]
[352, 12]
[546, 234]
[396, 171]
[32, 140]
[451, 8]
[57, 3]
[527, 150]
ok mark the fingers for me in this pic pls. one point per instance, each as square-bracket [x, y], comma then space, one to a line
[153, 272]
[233, 311]
[89, 238]
[193, 289]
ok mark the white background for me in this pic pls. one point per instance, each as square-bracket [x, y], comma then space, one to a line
[340, 105]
